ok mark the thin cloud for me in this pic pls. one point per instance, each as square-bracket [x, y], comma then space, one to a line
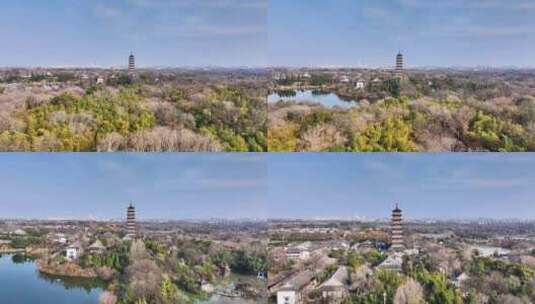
[105, 11]
[473, 4]
[230, 4]
[206, 30]
[470, 183]
[201, 21]
[380, 15]
[225, 183]
[481, 183]
[497, 31]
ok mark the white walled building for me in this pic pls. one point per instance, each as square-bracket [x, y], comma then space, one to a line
[291, 292]
[297, 254]
[287, 297]
[335, 289]
[360, 84]
[72, 253]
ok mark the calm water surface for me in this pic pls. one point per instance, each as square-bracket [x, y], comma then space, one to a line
[21, 283]
[328, 99]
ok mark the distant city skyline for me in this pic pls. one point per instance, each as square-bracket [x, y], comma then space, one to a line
[449, 33]
[426, 186]
[160, 186]
[98, 33]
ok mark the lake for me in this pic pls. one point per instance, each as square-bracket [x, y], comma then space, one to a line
[327, 99]
[21, 283]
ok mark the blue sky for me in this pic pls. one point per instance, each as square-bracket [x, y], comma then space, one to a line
[448, 185]
[161, 186]
[296, 185]
[429, 33]
[160, 32]
[267, 32]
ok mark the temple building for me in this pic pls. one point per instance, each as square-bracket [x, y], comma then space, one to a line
[131, 226]
[396, 234]
[131, 62]
[399, 62]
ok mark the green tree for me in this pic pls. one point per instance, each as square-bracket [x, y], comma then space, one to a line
[392, 134]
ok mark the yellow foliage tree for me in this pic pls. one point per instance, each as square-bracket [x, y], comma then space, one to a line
[390, 135]
[283, 138]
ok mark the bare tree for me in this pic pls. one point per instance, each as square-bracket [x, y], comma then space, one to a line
[510, 299]
[107, 298]
[144, 276]
[138, 251]
[162, 139]
[409, 293]
[111, 142]
[322, 137]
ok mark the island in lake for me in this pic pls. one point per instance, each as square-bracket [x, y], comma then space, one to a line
[133, 262]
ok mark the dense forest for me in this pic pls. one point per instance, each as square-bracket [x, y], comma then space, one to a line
[424, 279]
[421, 111]
[412, 114]
[147, 271]
[135, 116]
[153, 275]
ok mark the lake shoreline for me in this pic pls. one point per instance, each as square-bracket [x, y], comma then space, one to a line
[66, 270]
[325, 97]
[22, 282]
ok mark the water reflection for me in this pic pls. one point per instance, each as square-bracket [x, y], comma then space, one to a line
[22, 283]
[325, 98]
[73, 283]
